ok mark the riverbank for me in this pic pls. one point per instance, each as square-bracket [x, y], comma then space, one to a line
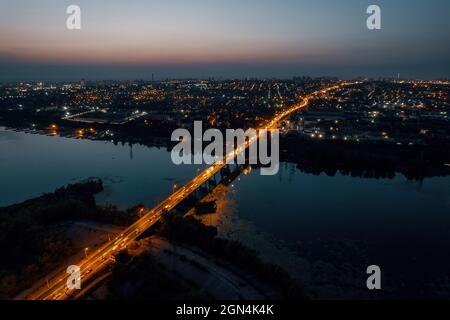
[65, 225]
[44, 233]
[186, 260]
[326, 241]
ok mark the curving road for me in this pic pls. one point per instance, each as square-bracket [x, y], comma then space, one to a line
[93, 265]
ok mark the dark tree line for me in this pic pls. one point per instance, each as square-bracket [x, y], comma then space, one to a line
[366, 160]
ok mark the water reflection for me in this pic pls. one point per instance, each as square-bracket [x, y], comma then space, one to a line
[327, 230]
[34, 164]
[324, 230]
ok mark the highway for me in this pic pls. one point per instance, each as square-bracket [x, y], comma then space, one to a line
[98, 260]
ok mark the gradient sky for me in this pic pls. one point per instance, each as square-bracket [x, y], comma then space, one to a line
[222, 38]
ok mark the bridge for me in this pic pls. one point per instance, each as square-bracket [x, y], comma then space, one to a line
[93, 265]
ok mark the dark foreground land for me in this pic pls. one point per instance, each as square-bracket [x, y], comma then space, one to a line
[33, 246]
[30, 240]
[190, 244]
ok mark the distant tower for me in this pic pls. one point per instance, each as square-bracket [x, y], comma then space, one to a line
[153, 77]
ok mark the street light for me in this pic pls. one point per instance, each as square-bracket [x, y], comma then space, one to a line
[86, 251]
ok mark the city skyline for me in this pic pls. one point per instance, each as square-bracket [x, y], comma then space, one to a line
[198, 39]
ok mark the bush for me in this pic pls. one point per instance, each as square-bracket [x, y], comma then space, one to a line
[191, 231]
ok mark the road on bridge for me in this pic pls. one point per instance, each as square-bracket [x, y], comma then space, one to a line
[93, 265]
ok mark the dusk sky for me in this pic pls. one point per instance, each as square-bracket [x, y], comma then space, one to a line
[223, 39]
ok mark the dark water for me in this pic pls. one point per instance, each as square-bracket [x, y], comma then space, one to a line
[339, 225]
[32, 164]
[346, 224]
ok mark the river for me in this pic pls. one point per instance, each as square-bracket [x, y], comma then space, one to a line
[324, 230]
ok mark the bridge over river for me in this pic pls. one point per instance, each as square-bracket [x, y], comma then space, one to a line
[94, 264]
